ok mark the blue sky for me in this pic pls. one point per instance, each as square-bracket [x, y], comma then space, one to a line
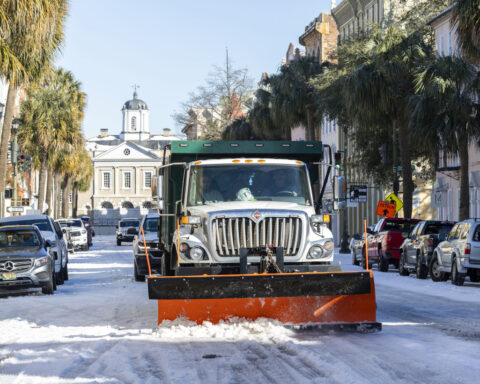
[169, 47]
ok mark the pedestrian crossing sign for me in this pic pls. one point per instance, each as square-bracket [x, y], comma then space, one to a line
[393, 199]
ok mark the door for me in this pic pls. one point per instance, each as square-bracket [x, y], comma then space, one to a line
[449, 245]
[413, 243]
[475, 246]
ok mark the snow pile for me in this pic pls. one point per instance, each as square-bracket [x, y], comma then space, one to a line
[261, 330]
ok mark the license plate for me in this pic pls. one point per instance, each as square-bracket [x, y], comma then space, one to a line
[9, 276]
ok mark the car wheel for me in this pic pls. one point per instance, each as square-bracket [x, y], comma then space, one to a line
[136, 275]
[435, 273]
[50, 287]
[457, 278]
[382, 262]
[85, 247]
[422, 271]
[60, 280]
[354, 258]
[401, 266]
[65, 272]
[119, 242]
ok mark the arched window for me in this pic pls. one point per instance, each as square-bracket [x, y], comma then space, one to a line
[127, 205]
[134, 123]
[107, 205]
[147, 204]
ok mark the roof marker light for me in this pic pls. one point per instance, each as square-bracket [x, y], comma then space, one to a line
[248, 161]
[235, 161]
[198, 163]
[262, 161]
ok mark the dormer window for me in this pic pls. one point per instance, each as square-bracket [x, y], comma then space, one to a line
[134, 123]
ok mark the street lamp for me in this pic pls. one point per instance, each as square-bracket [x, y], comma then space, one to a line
[15, 124]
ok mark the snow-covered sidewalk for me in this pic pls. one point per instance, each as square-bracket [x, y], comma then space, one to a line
[100, 327]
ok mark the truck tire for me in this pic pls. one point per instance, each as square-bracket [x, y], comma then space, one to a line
[457, 278]
[354, 258]
[435, 274]
[401, 266]
[364, 261]
[422, 271]
[49, 288]
[137, 276]
[382, 262]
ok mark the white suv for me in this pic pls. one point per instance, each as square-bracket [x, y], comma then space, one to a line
[459, 255]
[77, 231]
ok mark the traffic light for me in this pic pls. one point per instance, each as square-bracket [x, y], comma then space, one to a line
[20, 163]
[384, 153]
[338, 159]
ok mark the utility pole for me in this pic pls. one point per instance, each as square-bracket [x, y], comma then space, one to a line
[396, 185]
[344, 243]
[14, 160]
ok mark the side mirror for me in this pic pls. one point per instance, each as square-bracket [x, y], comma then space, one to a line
[370, 231]
[48, 244]
[64, 230]
[442, 236]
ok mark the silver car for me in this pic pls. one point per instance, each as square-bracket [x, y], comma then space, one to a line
[50, 232]
[459, 255]
[25, 261]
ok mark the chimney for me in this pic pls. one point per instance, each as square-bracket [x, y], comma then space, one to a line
[167, 131]
[103, 132]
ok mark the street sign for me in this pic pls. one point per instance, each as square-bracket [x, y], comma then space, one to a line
[393, 199]
[358, 193]
[15, 209]
[384, 209]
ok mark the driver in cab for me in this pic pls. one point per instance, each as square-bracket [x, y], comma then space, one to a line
[280, 184]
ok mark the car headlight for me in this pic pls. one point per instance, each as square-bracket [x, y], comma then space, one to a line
[84, 232]
[315, 252]
[41, 261]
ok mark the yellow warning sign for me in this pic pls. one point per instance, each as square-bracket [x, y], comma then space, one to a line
[393, 199]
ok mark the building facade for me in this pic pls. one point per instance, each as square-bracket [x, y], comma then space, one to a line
[124, 166]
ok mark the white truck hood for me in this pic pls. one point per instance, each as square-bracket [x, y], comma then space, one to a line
[204, 210]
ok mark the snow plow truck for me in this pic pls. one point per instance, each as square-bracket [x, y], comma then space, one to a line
[242, 236]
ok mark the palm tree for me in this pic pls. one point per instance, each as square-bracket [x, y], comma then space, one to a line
[82, 178]
[466, 14]
[31, 32]
[446, 112]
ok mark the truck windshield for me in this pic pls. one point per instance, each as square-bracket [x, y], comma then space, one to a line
[256, 182]
[151, 224]
[130, 223]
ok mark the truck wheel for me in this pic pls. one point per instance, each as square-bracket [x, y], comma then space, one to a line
[457, 278]
[435, 273]
[49, 288]
[136, 275]
[422, 271]
[401, 266]
[119, 242]
[65, 272]
[382, 262]
[354, 258]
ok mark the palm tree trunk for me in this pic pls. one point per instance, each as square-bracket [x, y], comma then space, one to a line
[7, 125]
[67, 182]
[74, 199]
[48, 197]
[58, 190]
[406, 161]
[464, 183]
[42, 181]
[310, 123]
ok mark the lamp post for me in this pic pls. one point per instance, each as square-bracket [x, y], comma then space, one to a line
[2, 193]
[15, 124]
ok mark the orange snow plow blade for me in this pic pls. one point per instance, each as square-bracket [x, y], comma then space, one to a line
[344, 299]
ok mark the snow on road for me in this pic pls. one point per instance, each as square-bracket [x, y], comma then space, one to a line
[100, 327]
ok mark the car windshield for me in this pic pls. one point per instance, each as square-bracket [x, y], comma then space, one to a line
[151, 224]
[42, 225]
[19, 238]
[256, 182]
[129, 223]
[399, 225]
[438, 228]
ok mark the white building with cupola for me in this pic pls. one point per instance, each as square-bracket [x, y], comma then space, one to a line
[124, 165]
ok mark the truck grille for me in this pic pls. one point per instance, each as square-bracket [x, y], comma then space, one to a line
[19, 265]
[231, 234]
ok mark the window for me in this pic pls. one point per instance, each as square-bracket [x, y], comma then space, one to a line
[107, 205]
[127, 180]
[106, 177]
[127, 205]
[147, 179]
[440, 48]
[134, 123]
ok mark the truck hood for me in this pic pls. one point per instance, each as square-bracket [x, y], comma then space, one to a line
[149, 236]
[205, 210]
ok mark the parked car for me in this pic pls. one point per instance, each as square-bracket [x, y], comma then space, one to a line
[25, 261]
[386, 239]
[66, 236]
[150, 229]
[50, 232]
[126, 229]
[459, 255]
[78, 235]
[357, 247]
[89, 227]
[417, 249]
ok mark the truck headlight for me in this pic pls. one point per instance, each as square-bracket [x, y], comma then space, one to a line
[197, 253]
[328, 246]
[315, 252]
[194, 253]
[41, 261]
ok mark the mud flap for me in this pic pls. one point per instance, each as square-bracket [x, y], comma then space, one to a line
[292, 298]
